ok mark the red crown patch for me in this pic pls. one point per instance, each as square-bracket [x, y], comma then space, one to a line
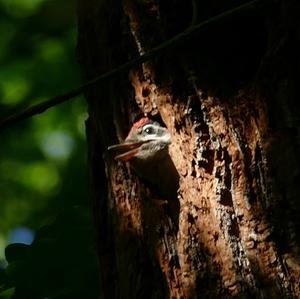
[141, 122]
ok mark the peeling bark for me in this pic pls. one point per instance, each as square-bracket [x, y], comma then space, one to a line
[228, 99]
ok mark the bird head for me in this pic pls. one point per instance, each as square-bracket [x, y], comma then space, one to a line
[147, 140]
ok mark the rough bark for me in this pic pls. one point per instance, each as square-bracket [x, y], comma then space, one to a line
[228, 97]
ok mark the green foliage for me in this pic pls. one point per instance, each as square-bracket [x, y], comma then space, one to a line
[39, 157]
[21, 8]
[43, 160]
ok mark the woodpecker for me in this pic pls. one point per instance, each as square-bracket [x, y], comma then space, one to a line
[146, 149]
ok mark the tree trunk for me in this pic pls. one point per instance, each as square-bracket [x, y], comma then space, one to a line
[228, 96]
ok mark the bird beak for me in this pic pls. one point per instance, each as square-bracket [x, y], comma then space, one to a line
[125, 151]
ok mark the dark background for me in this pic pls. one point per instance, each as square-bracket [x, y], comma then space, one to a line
[43, 174]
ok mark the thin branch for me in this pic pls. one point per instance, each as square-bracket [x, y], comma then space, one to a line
[183, 36]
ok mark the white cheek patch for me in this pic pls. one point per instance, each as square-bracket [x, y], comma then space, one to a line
[166, 138]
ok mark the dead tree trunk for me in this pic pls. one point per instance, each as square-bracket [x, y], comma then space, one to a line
[228, 97]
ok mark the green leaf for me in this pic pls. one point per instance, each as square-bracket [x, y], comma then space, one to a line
[7, 293]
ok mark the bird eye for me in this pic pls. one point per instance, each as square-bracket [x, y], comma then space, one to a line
[149, 130]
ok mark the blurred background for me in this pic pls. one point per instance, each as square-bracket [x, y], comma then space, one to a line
[43, 171]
